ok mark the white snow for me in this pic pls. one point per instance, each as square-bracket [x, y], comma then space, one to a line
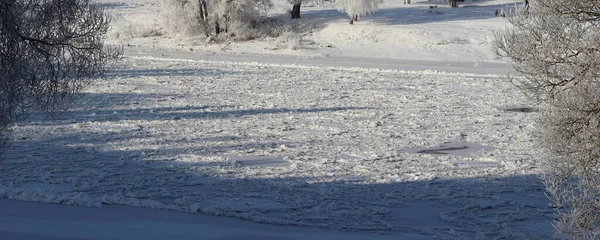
[397, 32]
[319, 137]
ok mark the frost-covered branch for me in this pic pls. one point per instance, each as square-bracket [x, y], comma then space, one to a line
[357, 8]
[213, 17]
[49, 49]
[555, 45]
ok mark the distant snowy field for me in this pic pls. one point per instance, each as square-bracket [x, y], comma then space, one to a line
[346, 146]
[396, 31]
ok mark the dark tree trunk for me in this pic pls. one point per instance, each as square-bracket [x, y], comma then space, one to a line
[203, 16]
[201, 11]
[454, 3]
[353, 19]
[226, 29]
[296, 10]
[217, 27]
[203, 6]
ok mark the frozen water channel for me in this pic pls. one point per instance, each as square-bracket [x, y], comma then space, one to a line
[328, 148]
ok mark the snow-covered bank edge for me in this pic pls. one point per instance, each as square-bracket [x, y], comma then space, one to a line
[337, 62]
[32, 221]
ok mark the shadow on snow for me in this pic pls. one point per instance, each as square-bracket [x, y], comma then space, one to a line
[486, 207]
[130, 73]
[96, 111]
[192, 175]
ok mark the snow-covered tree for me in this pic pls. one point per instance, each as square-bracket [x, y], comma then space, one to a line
[213, 17]
[48, 51]
[188, 17]
[357, 8]
[555, 45]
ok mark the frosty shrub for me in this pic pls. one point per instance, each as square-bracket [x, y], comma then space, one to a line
[555, 45]
[214, 17]
[183, 17]
[289, 40]
[357, 8]
[48, 51]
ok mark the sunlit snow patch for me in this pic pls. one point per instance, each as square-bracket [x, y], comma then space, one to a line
[457, 149]
[347, 157]
[260, 161]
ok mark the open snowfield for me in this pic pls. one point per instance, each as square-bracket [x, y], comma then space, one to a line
[396, 31]
[406, 128]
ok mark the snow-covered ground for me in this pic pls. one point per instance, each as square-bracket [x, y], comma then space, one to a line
[397, 142]
[397, 31]
[34, 221]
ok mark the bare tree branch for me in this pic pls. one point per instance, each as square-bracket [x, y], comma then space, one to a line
[555, 45]
[49, 50]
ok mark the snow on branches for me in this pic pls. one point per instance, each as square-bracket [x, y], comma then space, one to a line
[358, 8]
[213, 17]
[555, 45]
